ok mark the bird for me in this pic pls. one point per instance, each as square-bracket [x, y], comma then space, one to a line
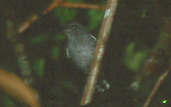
[80, 49]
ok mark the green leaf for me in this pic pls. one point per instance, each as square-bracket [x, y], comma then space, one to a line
[164, 101]
[38, 67]
[134, 60]
[65, 14]
[55, 53]
[60, 37]
[137, 61]
[96, 17]
[130, 50]
[40, 39]
[144, 13]
[7, 102]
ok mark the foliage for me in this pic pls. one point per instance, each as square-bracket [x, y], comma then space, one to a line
[40, 39]
[66, 14]
[8, 102]
[51, 45]
[55, 53]
[144, 13]
[38, 66]
[96, 17]
[134, 60]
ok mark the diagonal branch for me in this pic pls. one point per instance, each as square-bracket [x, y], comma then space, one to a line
[156, 87]
[99, 53]
[164, 44]
[15, 87]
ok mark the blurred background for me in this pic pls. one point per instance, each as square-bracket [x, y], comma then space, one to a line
[137, 31]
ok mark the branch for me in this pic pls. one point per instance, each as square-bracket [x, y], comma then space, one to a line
[163, 58]
[55, 4]
[15, 87]
[99, 52]
[156, 87]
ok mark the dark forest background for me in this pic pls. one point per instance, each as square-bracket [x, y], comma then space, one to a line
[137, 31]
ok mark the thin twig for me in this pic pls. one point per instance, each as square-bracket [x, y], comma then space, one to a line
[55, 4]
[99, 53]
[156, 87]
[160, 58]
[27, 23]
[82, 5]
[73, 5]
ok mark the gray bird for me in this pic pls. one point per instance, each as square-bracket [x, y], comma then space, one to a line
[81, 45]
